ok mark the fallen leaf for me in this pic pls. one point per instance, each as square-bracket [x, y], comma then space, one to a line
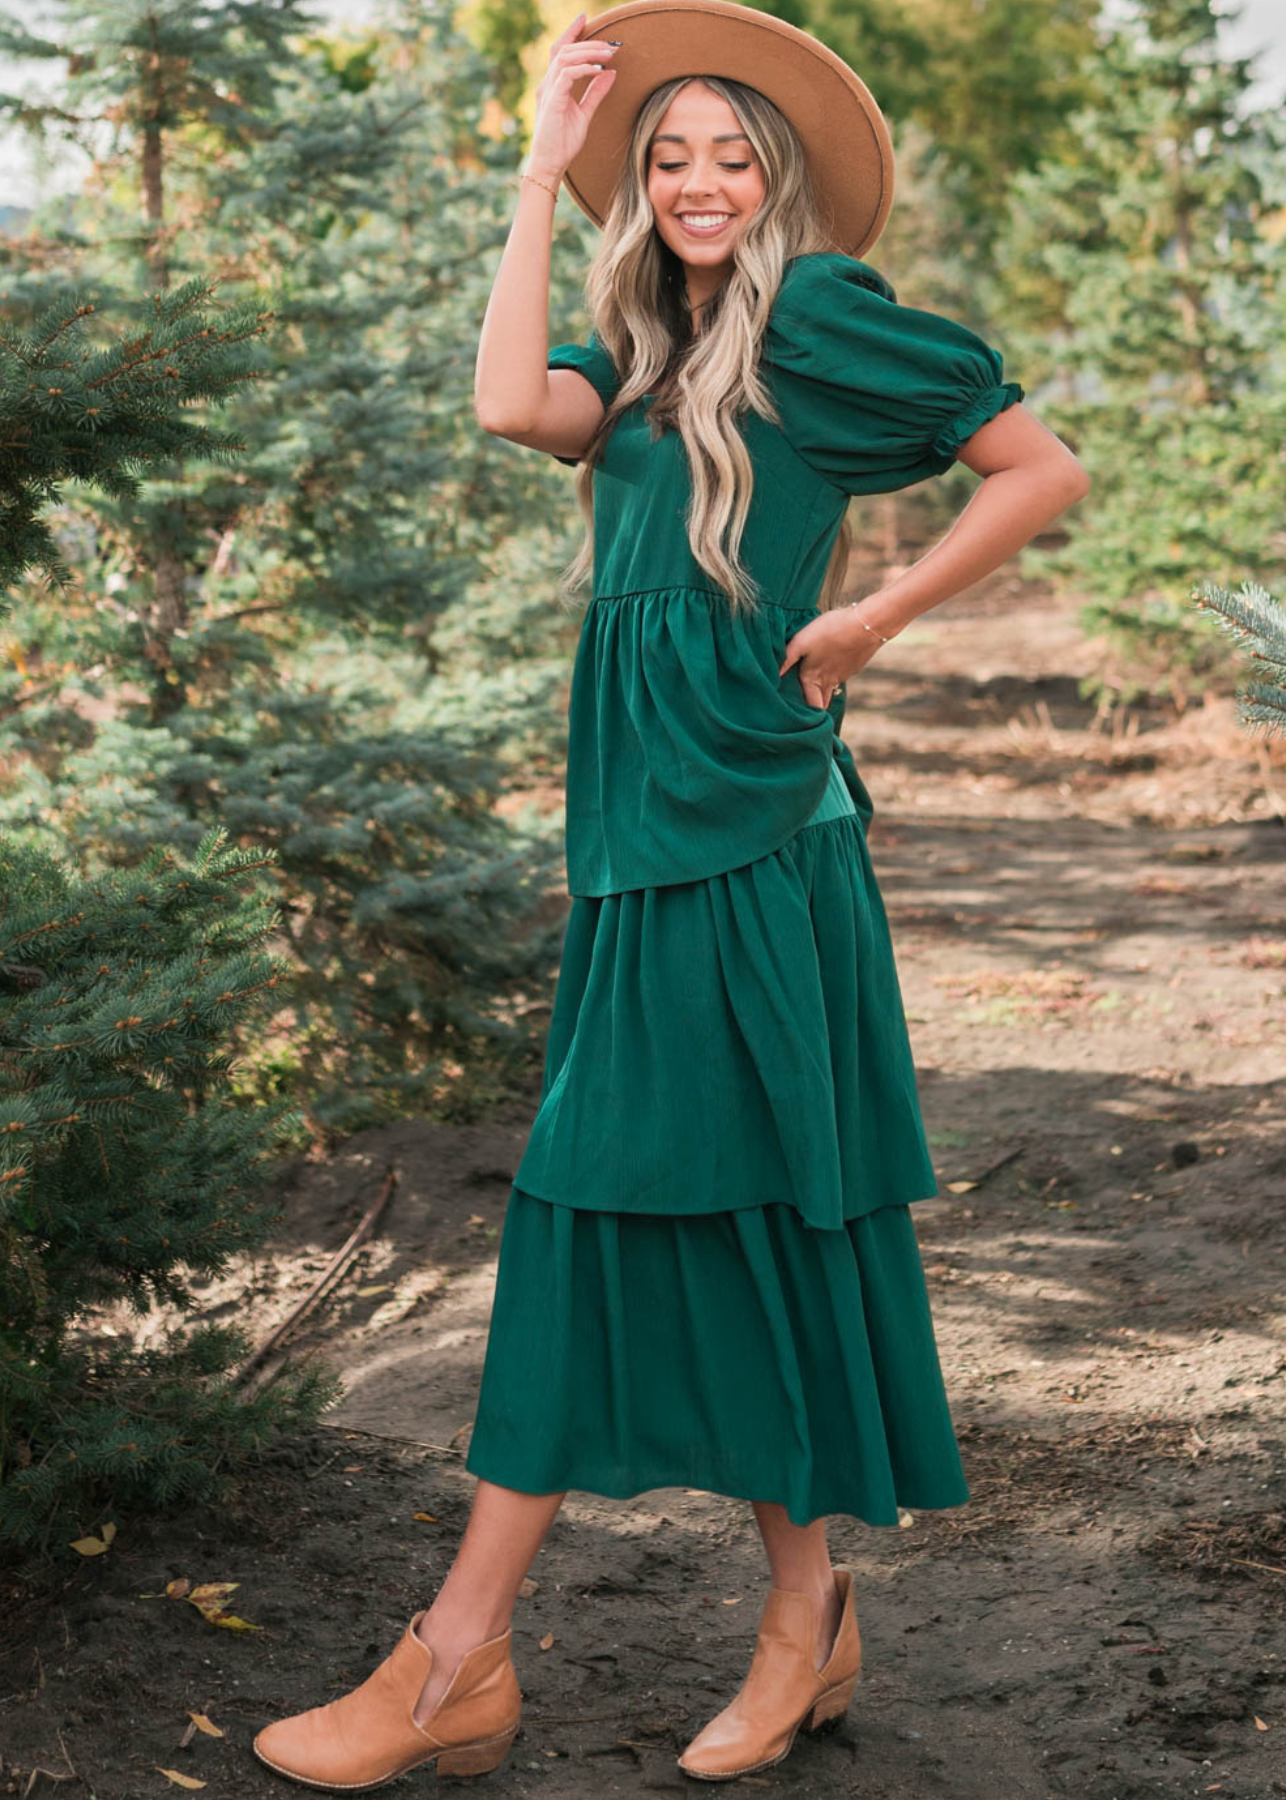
[204, 1724]
[109, 1531]
[527, 1587]
[547, 1640]
[178, 1588]
[960, 1187]
[734, 1602]
[425, 1518]
[476, 1219]
[379, 1287]
[212, 1590]
[1259, 1724]
[208, 1598]
[90, 1546]
[187, 1781]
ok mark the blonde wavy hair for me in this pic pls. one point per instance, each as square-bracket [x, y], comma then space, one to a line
[636, 297]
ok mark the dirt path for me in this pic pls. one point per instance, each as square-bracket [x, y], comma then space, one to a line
[1091, 938]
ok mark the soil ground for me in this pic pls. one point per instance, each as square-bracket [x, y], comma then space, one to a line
[1091, 935]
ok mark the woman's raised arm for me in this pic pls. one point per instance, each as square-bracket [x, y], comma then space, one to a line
[515, 394]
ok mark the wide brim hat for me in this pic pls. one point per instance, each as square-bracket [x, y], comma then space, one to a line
[843, 132]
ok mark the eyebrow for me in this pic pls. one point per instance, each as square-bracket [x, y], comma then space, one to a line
[676, 137]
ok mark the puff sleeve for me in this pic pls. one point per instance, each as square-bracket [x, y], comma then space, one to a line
[593, 362]
[874, 395]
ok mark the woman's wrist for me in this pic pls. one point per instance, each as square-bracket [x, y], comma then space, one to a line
[544, 173]
[869, 624]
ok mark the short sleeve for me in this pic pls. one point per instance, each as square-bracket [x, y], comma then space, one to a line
[874, 395]
[593, 362]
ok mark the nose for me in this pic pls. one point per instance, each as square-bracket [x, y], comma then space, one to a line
[701, 184]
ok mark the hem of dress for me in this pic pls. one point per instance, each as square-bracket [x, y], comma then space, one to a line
[709, 1481]
[853, 820]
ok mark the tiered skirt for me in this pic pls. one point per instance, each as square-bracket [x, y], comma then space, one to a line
[726, 1343]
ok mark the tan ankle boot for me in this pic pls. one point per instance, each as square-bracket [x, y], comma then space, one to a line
[784, 1689]
[369, 1737]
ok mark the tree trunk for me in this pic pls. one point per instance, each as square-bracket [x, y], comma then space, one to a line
[168, 611]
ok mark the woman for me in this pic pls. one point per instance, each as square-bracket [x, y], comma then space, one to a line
[708, 1274]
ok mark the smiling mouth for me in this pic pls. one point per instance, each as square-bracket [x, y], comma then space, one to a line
[704, 224]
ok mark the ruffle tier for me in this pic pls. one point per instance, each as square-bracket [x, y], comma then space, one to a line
[737, 1352]
[735, 1042]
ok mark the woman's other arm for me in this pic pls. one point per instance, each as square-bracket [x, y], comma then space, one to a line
[1031, 477]
[515, 395]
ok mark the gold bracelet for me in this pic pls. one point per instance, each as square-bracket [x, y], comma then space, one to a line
[540, 183]
[870, 628]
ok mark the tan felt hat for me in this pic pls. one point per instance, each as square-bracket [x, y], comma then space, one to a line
[845, 137]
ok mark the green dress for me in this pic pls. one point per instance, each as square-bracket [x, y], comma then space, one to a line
[708, 1273]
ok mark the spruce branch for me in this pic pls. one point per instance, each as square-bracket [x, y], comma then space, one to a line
[1256, 619]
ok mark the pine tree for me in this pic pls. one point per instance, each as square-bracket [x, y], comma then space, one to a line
[70, 411]
[990, 84]
[371, 656]
[161, 71]
[127, 1166]
[1149, 277]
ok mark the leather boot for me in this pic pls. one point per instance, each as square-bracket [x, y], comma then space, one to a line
[369, 1736]
[784, 1689]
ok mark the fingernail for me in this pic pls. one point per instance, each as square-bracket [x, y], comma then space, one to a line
[617, 41]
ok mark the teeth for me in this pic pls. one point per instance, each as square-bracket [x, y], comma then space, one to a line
[704, 218]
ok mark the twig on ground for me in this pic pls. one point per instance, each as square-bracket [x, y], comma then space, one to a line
[338, 1264]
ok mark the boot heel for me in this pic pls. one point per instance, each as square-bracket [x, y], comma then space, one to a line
[832, 1706]
[476, 1759]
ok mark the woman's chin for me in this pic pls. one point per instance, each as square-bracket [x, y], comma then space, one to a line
[710, 255]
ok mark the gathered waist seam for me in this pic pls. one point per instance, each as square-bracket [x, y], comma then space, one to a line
[685, 587]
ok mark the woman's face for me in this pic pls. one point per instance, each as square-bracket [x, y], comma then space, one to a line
[703, 179]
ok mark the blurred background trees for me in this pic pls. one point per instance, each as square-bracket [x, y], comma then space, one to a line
[344, 646]
[1151, 290]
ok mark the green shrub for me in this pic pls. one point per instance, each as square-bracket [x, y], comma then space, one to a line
[127, 1166]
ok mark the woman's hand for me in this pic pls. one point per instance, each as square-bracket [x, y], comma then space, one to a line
[562, 123]
[829, 649]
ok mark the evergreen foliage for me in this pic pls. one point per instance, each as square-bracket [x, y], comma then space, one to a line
[345, 645]
[163, 73]
[1256, 620]
[70, 411]
[1149, 279]
[126, 1168]
[990, 88]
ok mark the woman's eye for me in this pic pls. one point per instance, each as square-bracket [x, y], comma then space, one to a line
[670, 167]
